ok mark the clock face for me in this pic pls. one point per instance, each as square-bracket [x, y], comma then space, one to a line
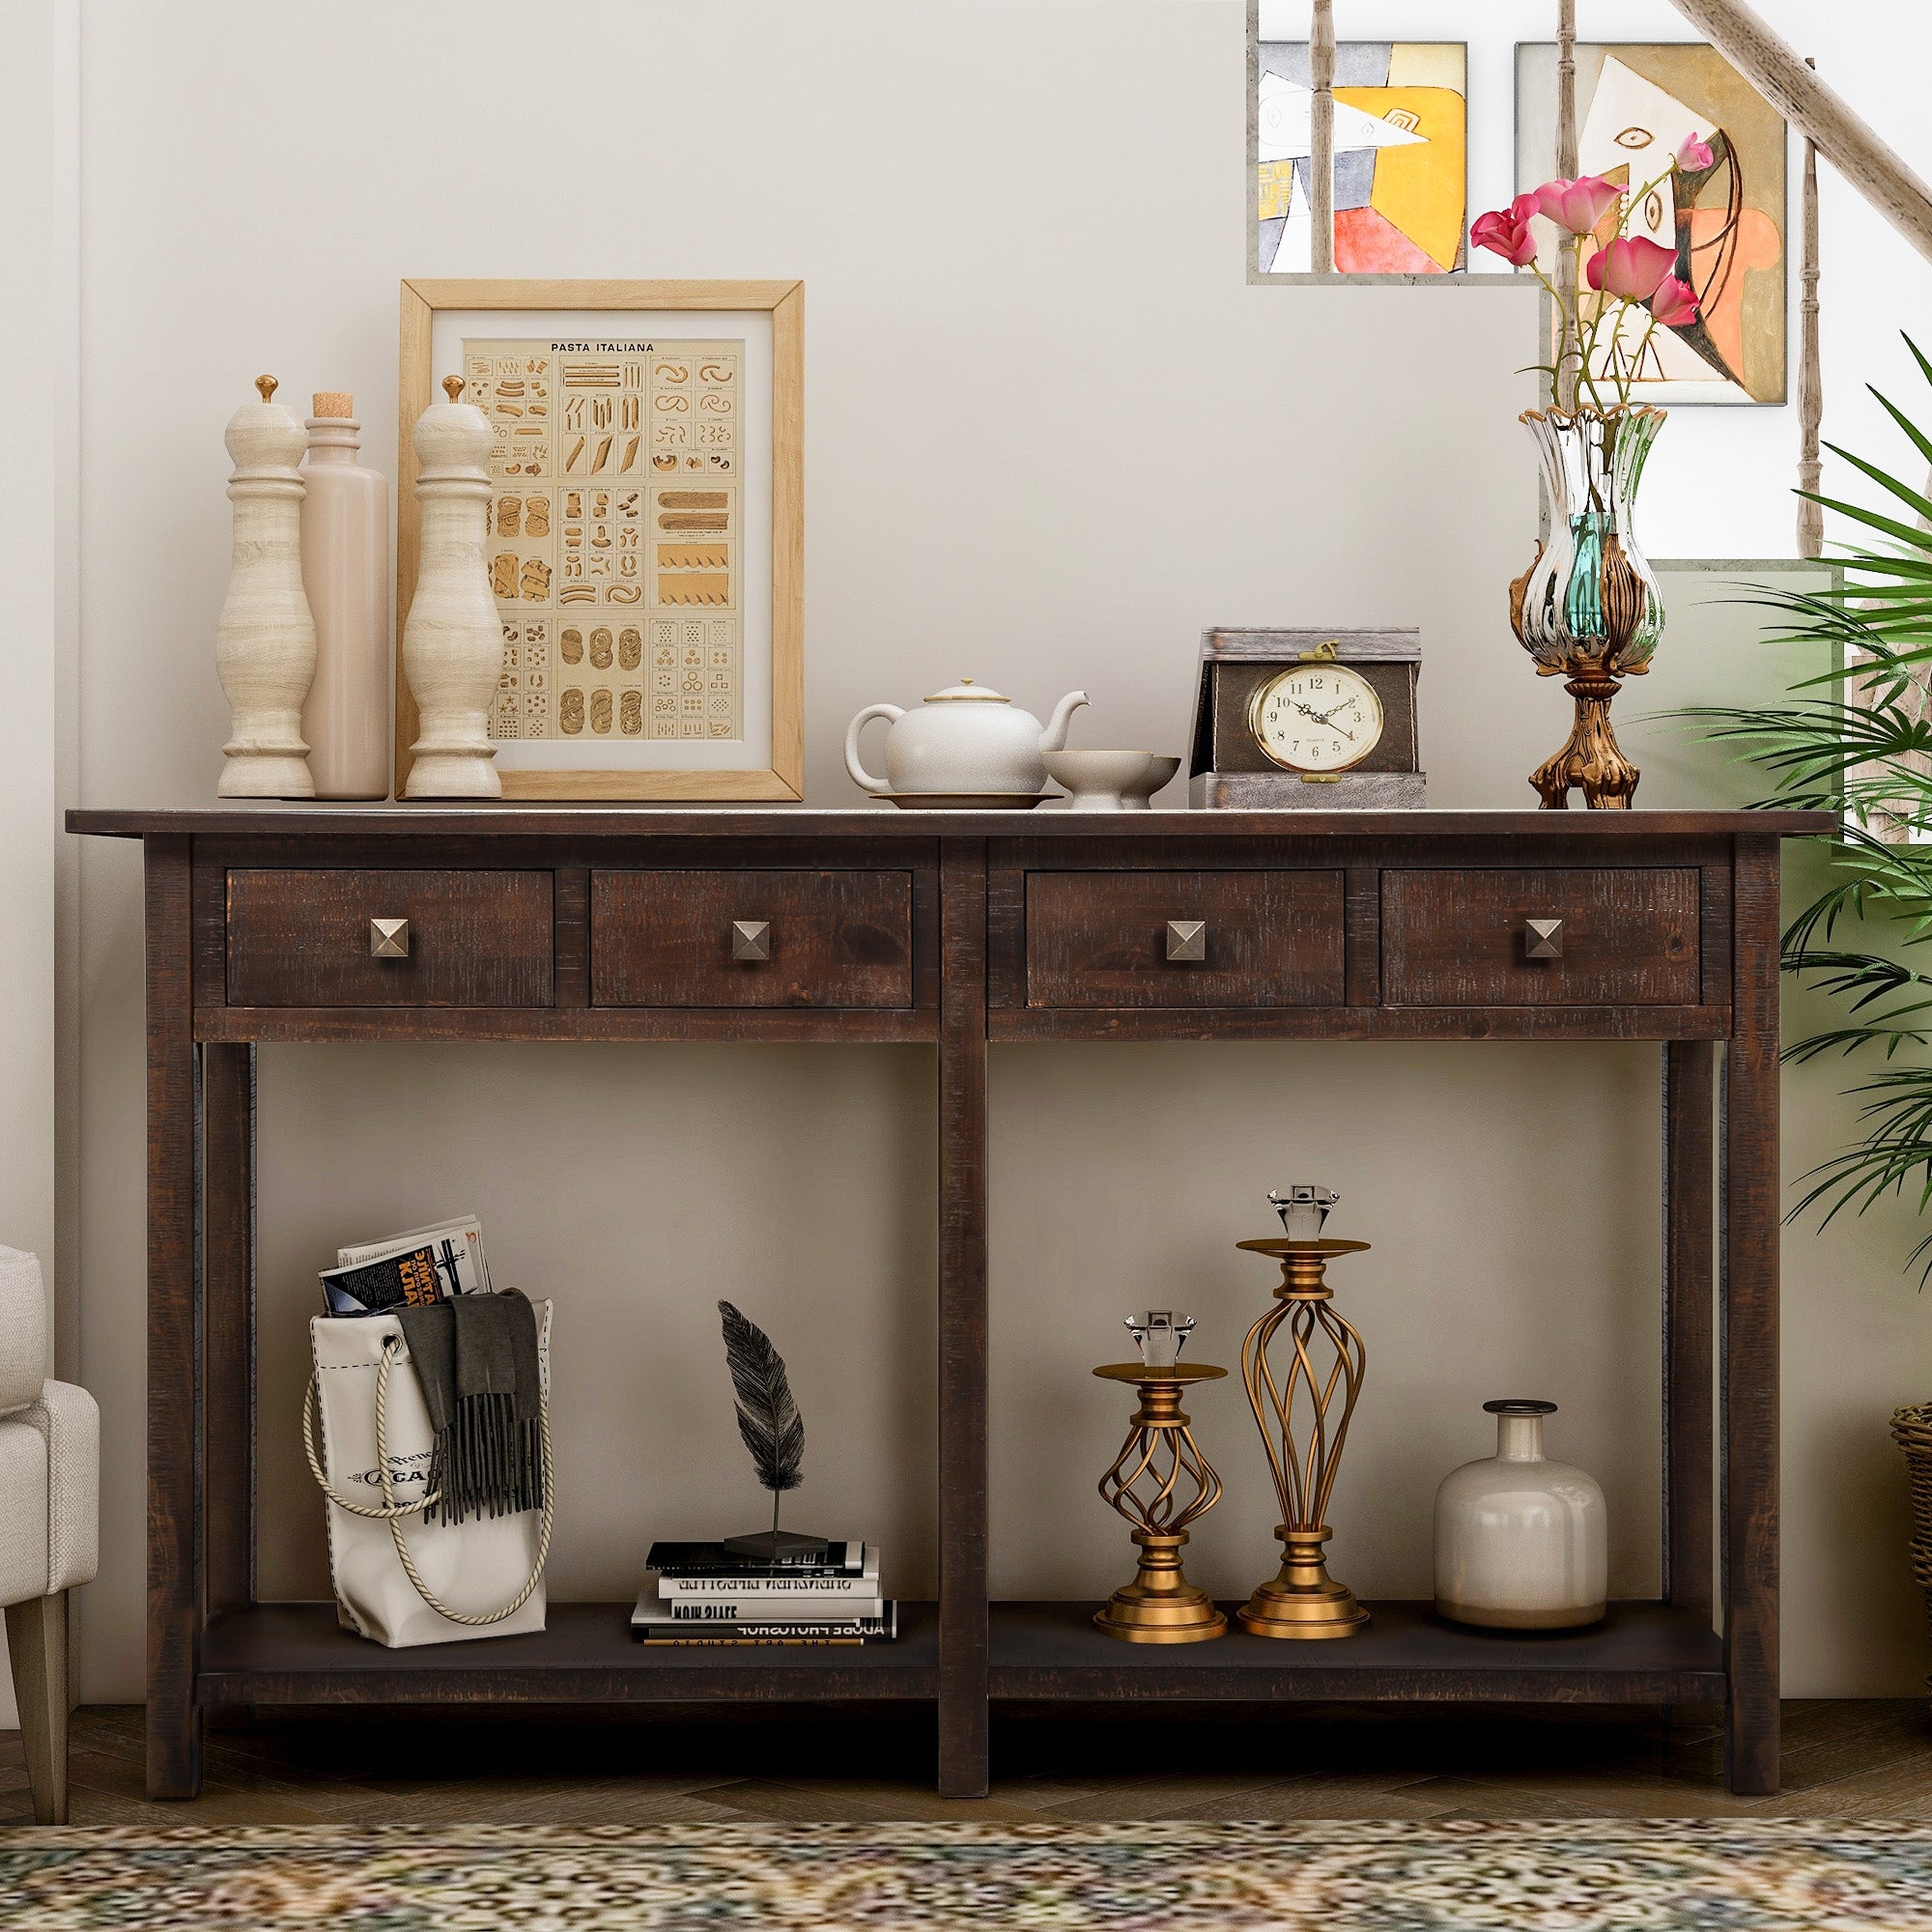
[1316, 718]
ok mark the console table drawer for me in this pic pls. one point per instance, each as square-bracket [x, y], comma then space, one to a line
[300, 938]
[750, 939]
[1130, 939]
[1622, 937]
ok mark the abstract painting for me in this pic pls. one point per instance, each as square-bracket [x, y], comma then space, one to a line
[1401, 157]
[1636, 106]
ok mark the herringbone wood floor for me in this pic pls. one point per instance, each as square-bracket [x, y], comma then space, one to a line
[1841, 1759]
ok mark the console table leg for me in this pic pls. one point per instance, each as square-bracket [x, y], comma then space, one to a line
[963, 1634]
[1690, 1077]
[174, 1592]
[1750, 1352]
[228, 1336]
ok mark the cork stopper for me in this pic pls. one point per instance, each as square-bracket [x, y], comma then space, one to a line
[268, 385]
[332, 403]
[452, 387]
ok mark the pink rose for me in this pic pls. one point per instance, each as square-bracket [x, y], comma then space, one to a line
[1675, 302]
[1579, 205]
[1505, 231]
[1631, 267]
[1695, 153]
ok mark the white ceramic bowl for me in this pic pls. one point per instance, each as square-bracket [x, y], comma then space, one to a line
[1110, 780]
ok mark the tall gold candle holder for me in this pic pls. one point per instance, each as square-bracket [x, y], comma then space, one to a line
[1160, 1605]
[1303, 1600]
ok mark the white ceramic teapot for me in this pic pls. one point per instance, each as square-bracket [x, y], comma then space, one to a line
[965, 739]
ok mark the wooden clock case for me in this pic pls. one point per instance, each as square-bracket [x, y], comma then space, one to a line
[1228, 769]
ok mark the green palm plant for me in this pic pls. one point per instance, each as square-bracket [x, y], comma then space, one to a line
[1855, 738]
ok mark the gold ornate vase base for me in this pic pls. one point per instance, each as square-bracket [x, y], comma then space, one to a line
[1160, 1605]
[1591, 760]
[1302, 1601]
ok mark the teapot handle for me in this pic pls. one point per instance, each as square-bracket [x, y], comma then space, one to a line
[860, 777]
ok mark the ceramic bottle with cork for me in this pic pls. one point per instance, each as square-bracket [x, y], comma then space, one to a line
[345, 551]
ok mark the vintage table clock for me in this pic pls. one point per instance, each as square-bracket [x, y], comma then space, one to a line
[1317, 721]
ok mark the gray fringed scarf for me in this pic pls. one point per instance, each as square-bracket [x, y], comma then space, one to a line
[476, 1358]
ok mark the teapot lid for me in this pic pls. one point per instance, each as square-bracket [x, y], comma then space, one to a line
[966, 691]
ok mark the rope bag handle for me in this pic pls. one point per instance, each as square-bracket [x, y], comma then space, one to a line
[392, 1512]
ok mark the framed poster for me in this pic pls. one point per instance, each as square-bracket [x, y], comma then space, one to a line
[1727, 224]
[1401, 159]
[646, 528]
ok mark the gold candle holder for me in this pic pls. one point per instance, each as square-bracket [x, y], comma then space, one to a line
[1160, 1605]
[1303, 1600]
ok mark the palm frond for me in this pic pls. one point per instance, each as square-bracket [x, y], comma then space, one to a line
[1854, 737]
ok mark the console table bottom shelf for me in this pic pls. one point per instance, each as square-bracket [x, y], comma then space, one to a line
[1643, 1652]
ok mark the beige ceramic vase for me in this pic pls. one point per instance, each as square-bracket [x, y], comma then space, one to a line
[1520, 1540]
[345, 553]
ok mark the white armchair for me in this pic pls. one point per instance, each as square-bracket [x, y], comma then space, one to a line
[50, 1522]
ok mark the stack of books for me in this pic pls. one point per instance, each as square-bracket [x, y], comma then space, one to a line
[702, 1593]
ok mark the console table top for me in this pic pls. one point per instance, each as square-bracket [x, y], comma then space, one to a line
[737, 821]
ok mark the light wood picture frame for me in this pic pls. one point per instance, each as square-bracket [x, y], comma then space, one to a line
[535, 309]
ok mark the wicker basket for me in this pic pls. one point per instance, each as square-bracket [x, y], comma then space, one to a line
[1912, 1430]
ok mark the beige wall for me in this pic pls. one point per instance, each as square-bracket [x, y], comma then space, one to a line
[1050, 434]
[37, 717]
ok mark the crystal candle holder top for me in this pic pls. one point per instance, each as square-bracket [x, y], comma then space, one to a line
[1303, 1209]
[1160, 1334]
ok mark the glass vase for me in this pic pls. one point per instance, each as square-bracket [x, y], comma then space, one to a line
[1587, 609]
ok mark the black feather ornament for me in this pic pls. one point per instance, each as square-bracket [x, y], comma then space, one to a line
[773, 1431]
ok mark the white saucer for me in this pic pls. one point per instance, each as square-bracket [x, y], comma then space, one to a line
[967, 801]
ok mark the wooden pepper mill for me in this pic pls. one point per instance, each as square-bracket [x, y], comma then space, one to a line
[265, 639]
[453, 639]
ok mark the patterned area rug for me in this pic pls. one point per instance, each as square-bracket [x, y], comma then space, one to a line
[1460, 1876]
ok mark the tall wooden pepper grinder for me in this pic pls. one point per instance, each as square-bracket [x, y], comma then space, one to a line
[345, 528]
[265, 640]
[453, 641]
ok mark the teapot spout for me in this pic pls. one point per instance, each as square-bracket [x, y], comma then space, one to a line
[1054, 737]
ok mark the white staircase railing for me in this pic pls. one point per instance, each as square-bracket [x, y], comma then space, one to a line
[1322, 139]
[1811, 371]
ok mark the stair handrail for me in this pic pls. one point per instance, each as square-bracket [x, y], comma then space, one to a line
[1818, 113]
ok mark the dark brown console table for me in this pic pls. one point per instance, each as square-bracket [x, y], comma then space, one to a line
[955, 930]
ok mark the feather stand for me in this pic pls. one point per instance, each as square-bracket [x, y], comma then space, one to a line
[773, 1431]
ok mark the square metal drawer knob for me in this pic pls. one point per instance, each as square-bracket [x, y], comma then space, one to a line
[1187, 941]
[750, 939]
[1543, 938]
[388, 939]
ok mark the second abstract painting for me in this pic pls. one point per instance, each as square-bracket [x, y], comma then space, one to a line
[1636, 106]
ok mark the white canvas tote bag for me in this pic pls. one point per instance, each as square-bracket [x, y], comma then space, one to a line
[399, 1579]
